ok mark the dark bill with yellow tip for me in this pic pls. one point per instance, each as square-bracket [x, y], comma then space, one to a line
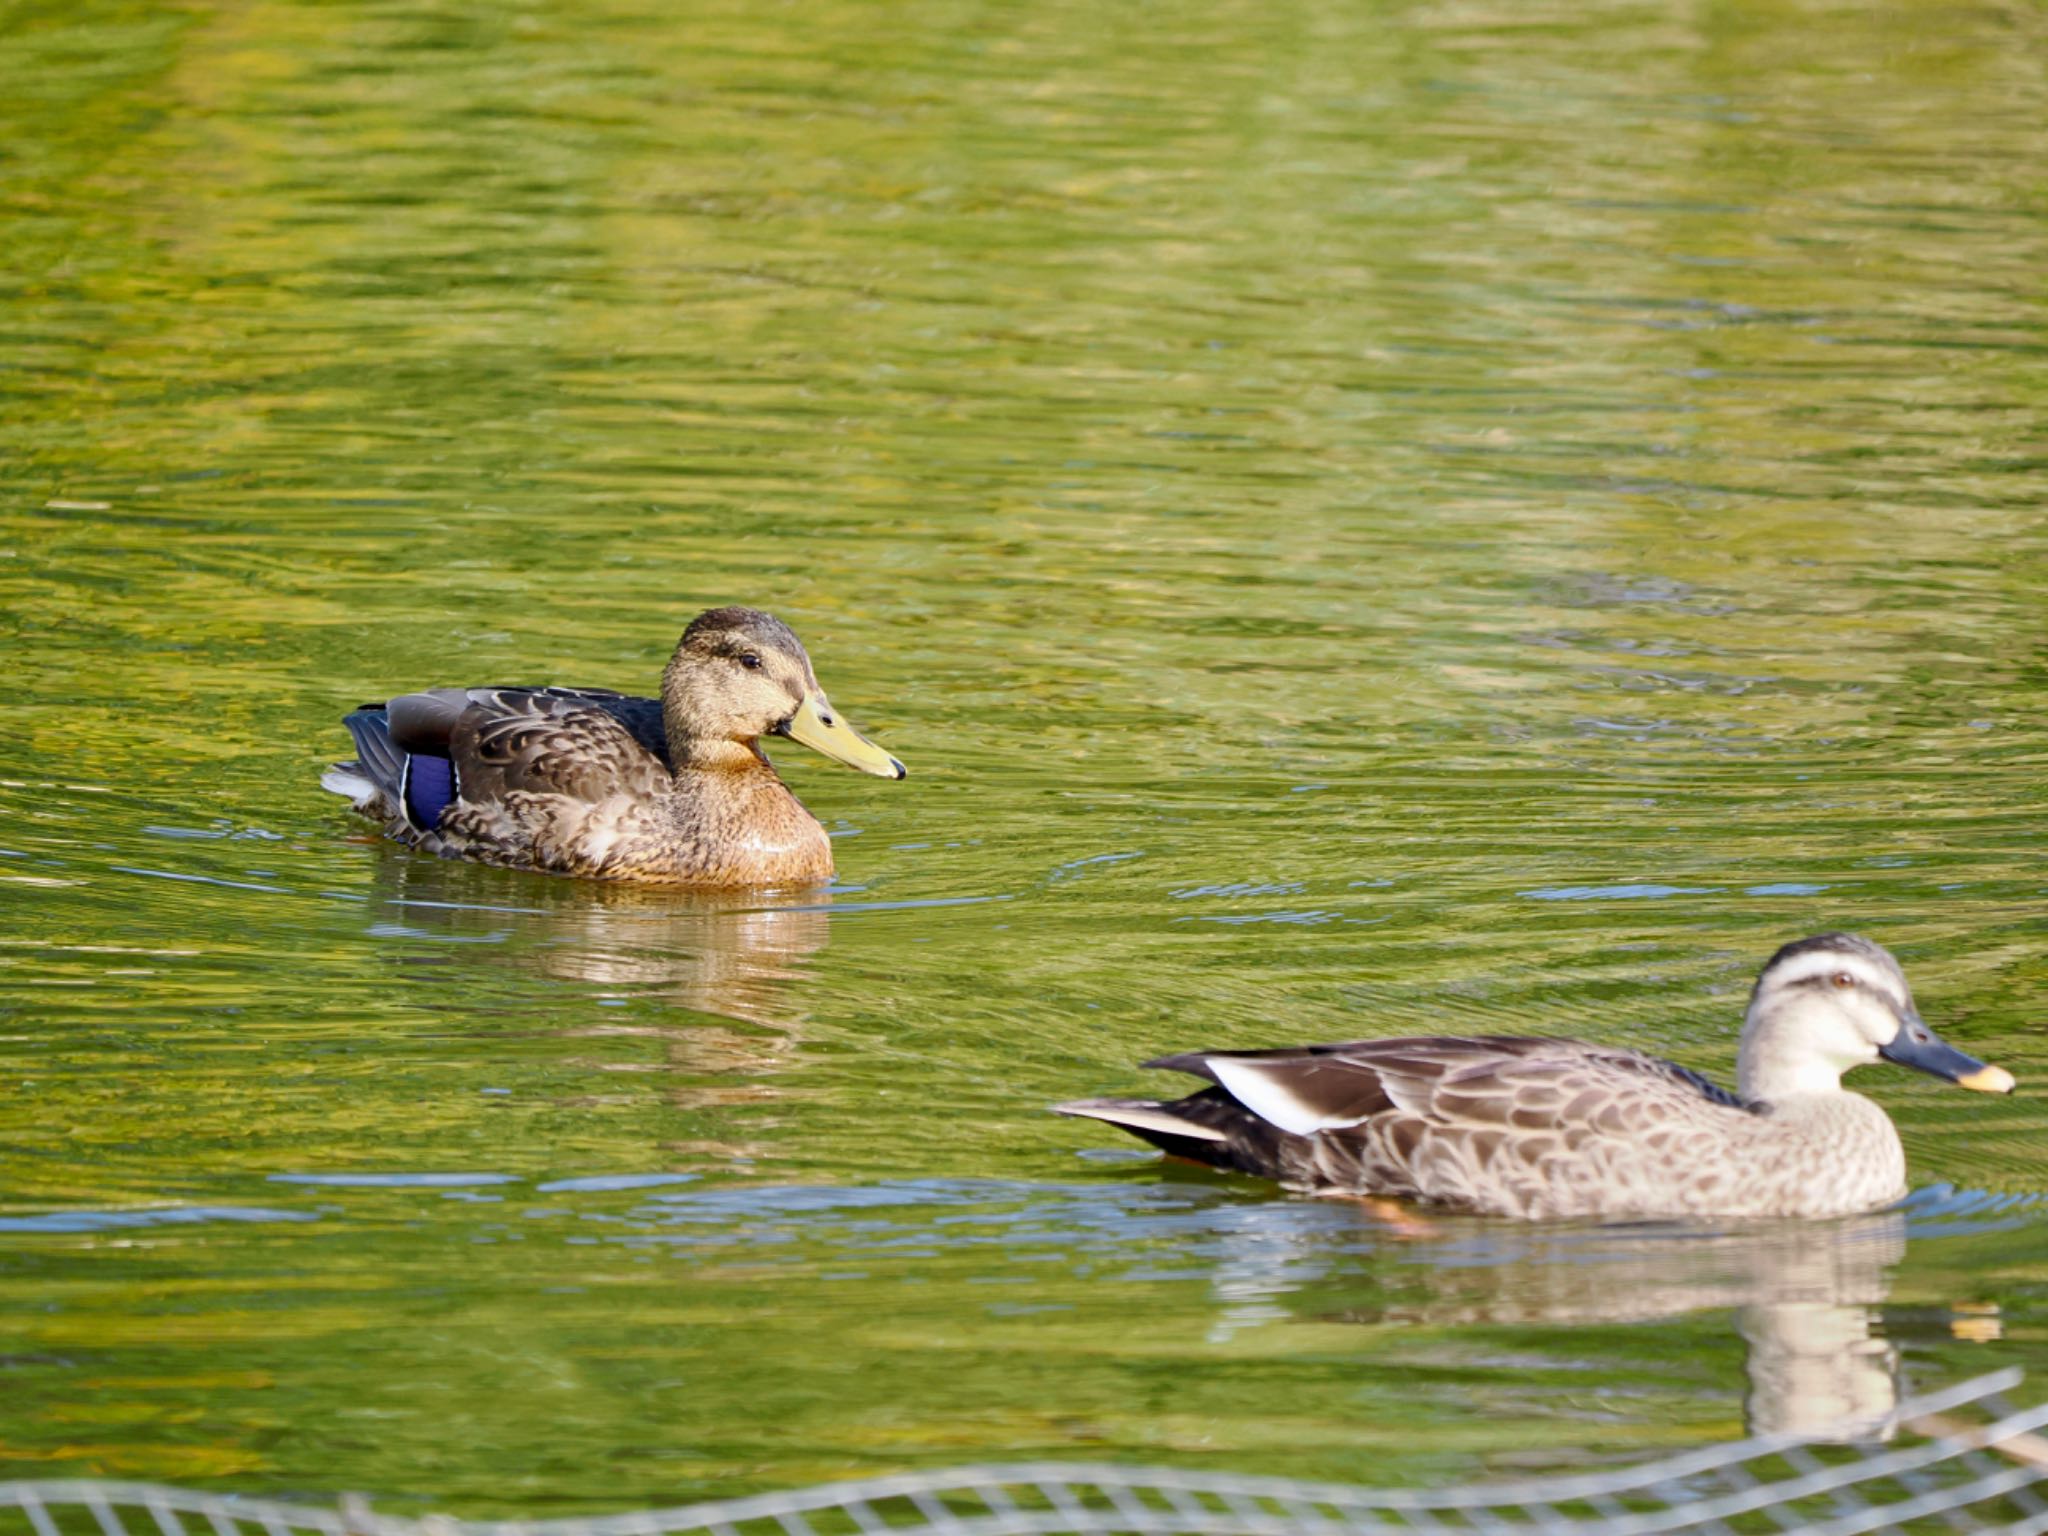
[818, 726]
[1917, 1046]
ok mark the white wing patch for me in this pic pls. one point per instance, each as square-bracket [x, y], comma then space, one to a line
[1252, 1084]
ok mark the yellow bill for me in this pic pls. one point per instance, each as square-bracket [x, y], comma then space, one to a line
[818, 726]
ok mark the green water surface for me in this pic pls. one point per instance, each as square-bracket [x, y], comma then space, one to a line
[1360, 518]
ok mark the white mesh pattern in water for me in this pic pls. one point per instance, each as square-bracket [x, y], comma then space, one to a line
[1966, 1460]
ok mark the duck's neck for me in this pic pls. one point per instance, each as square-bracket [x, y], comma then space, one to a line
[697, 740]
[731, 784]
[697, 754]
[1778, 1060]
[740, 822]
[1775, 1079]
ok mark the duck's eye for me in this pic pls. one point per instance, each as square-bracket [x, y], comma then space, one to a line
[1842, 979]
[750, 661]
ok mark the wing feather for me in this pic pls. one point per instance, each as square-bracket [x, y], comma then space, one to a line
[564, 742]
[1522, 1084]
[427, 721]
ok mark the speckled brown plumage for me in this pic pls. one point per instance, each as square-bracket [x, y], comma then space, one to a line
[1540, 1128]
[586, 782]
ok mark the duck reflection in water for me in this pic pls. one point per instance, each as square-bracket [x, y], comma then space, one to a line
[1806, 1299]
[733, 955]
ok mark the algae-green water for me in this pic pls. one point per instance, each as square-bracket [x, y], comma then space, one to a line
[1359, 519]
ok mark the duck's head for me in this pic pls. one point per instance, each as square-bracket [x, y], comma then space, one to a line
[739, 674]
[1835, 1001]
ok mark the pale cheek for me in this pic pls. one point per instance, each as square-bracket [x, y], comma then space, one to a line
[1852, 1048]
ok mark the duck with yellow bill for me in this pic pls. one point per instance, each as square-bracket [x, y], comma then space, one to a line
[584, 781]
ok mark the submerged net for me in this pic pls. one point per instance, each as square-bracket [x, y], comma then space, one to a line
[1964, 1459]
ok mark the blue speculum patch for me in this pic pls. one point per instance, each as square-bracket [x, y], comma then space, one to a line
[429, 786]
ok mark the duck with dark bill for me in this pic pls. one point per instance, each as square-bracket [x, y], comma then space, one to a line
[1509, 1126]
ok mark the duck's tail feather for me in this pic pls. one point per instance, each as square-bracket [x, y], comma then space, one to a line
[376, 781]
[349, 781]
[1186, 1129]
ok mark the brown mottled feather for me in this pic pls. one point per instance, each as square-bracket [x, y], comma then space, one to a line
[510, 741]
